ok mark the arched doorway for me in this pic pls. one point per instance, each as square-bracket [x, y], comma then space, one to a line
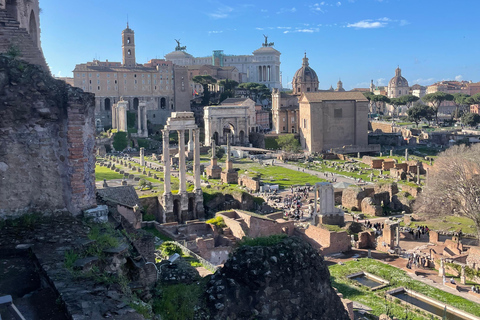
[176, 210]
[108, 106]
[32, 28]
[135, 103]
[242, 137]
[228, 129]
[163, 103]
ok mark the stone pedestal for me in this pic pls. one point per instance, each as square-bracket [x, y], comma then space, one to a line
[213, 171]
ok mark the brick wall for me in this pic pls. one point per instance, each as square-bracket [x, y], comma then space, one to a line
[385, 127]
[47, 157]
[327, 242]
[250, 183]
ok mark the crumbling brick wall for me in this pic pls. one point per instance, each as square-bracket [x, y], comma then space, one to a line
[47, 138]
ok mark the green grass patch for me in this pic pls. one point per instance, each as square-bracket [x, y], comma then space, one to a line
[218, 222]
[102, 173]
[262, 241]
[397, 278]
[178, 302]
[157, 233]
[448, 223]
[332, 228]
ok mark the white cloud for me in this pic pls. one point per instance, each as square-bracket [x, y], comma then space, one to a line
[215, 31]
[287, 10]
[259, 29]
[381, 82]
[339, 4]
[317, 7]
[288, 28]
[221, 12]
[367, 24]
[459, 77]
[263, 10]
[305, 30]
[403, 23]
[59, 74]
[385, 19]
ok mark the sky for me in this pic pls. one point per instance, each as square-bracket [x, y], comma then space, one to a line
[352, 40]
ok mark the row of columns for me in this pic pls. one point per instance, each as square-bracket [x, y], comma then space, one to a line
[264, 73]
[192, 144]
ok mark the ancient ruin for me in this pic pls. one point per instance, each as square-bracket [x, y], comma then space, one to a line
[184, 205]
[229, 174]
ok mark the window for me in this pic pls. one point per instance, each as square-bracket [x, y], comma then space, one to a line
[308, 89]
[98, 81]
[115, 75]
[83, 75]
[89, 75]
[337, 113]
[108, 75]
[98, 88]
[115, 81]
[98, 75]
[124, 75]
[125, 81]
[129, 52]
[135, 81]
[399, 91]
[128, 40]
[304, 123]
[143, 76]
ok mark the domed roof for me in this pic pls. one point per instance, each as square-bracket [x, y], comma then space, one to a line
[398, 80]
[305, 73]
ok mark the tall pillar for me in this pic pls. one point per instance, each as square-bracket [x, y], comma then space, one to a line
[142, 157]
[166, 162]
[406, 154]
[190, 140]
[139, 120]
[181, 164]
[196, 156]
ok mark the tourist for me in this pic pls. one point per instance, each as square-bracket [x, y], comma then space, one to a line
[452, 281]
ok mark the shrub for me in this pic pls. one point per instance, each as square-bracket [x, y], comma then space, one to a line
[120, 141]
[262, 241]
[148, 217]
[178, 301]
[218, 222]
[169, 248]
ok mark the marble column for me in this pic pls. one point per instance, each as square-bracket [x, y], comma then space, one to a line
[190, 140]
[181, 163]
[145, 129]
[139, 120]
[166, 162]
[196, 160]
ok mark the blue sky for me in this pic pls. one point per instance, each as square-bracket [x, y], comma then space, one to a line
[354, 40]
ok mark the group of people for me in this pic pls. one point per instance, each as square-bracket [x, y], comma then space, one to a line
[417, 261]
[476, 289]
[419, 231]
[376, 225]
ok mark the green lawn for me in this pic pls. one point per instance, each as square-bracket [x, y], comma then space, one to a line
[105, 173]
[450, 223]
[397, 278]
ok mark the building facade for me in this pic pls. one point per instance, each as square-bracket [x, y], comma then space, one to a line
[285, 106]
[398, 85]
[235, 117]
[333, 120]
[263, 66]
[160, 84]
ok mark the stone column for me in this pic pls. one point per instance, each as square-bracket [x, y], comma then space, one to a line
[397, 236]
[406, 154]
[391, 152]
[196, 156]
[139, 120]
[181, 163]
[190, 140]
[142, 157]
[463, 278]
[145, 129]
[166, 162]
[441, 270]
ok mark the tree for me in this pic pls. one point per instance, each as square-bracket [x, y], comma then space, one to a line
[396, 102]
[417, 112]
[205, 81]
[435, 100]
[459, 100]
[453, 185]
[378, 99]
[256, 91]
[219, 152]
[409, 99]
[228, 88]
[120, 141]
[369, 95]
[288, 143]
[471, 119]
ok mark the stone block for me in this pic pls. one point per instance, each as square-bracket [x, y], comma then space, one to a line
[98, 214]
[370, 207]
[352, 198]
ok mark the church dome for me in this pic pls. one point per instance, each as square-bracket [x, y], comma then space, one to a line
[398, 80]
[305, 73]
[305, 79]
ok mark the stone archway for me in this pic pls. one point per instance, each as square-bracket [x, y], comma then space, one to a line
[241, 137]
[228, 129]
[32, 28]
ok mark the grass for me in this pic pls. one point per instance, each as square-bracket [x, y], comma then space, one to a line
[102, 173]
[449, 223]
[332, 228]
[262, 241]
[397, 278]
[157, 233]
[218, 222]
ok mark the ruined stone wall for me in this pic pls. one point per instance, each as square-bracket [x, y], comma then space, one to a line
[47, 142]
[249, 183]
[385, 127]
[326, 241]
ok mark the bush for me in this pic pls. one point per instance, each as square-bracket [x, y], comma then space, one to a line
[178, 301]
[169, 248]
[120, 141]
[218, 222]
[148, 217]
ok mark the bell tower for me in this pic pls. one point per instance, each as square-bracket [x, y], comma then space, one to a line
[128, 47]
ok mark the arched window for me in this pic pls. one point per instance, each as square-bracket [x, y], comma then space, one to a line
[163, 103]
[128, 40]
[135, 103]
[129, 52]
[107, 104]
